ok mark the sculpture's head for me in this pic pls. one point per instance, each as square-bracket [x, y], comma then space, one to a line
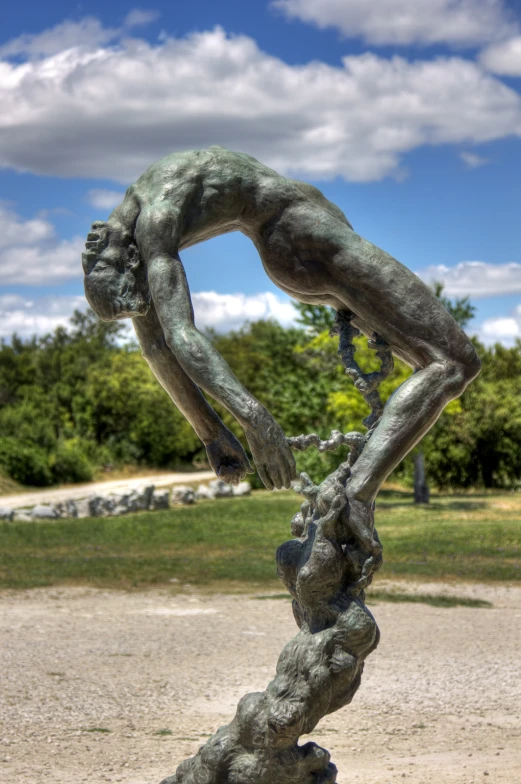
[115, 275]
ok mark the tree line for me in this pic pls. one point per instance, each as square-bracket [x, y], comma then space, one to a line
[79, 399]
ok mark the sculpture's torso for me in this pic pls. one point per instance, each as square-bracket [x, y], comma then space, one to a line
[215, 191]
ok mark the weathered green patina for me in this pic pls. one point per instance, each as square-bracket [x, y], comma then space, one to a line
[310, 250]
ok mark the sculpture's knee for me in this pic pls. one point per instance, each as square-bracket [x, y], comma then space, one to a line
[461, 371]
[472, 366]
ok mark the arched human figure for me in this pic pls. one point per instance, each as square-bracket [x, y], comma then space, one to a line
[310, 250]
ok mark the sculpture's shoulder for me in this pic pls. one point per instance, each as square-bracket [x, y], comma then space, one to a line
[221, 166]
[178, 166]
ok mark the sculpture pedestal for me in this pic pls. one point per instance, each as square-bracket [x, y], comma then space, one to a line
[318, 672]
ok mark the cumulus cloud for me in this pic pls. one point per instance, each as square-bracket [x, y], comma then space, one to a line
[110, 111]
[104, 199]
[456, 22]
[505, 329]
[31, 252]
[36, 317]
[230, 311]
[222, 312]
[472, 160]
[475, 279]
[504, 57]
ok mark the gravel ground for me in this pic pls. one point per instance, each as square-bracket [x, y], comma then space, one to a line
[159, 672]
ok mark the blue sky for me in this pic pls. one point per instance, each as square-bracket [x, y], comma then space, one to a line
[406, 114]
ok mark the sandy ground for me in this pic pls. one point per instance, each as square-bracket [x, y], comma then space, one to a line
[76, 492]
[440, 702]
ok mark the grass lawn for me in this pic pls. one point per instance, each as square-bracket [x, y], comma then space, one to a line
[233, 541]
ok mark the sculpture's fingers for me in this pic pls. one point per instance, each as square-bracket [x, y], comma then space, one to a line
[276, 474]
[292, 466]
[228, 474]
[288, 469]
[266, 481]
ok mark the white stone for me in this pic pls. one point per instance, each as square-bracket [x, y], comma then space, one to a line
[183, 494]
[243, 488]
[66, 508]
[221, 489]
[160, 500]
[22, 517]
[143, 496]
[42, 512]
[101, 506]
[83, 508]
[203, 491]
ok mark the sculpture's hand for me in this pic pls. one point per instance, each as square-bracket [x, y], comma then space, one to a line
[271, 452]
[227, 458]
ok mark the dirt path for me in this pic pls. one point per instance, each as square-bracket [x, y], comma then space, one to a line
[440, 700]
[93, 488]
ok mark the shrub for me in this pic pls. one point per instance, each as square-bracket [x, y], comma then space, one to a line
[25, 462]
[70, 463]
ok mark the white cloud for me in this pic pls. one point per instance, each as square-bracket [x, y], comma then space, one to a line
[222, 312]
[475, 279]
[104, 199]
[36, 317]
[504, 329]
[110, 111]
[88, 33]
[31, 253]
[230, 311]
[472, 160]
[456, 22]
[503, 57]
[138, 17]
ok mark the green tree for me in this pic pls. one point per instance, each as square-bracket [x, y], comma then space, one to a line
[316, 318]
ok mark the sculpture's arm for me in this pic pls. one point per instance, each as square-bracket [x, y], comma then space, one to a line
[225, 454]
[206, 367]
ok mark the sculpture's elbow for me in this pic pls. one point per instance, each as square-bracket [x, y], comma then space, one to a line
[184, 344]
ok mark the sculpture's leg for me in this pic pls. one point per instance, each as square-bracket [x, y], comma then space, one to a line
[408, 415]
[315, 257]
[407, 315]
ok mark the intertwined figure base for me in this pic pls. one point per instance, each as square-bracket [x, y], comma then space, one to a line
[318, 672]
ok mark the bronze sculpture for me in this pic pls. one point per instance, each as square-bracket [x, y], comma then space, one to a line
[310, 250]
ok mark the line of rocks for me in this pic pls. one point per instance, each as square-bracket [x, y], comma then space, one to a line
[141, 499]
